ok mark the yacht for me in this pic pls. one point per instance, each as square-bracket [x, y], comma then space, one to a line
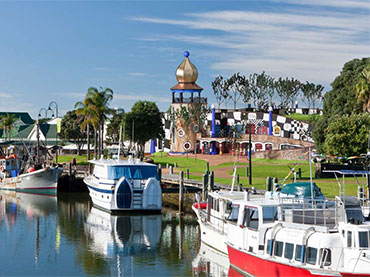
[124, 185]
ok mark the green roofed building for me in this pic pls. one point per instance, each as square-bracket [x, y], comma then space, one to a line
[24, 118]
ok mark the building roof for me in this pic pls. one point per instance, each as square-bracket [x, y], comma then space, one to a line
[23, 116]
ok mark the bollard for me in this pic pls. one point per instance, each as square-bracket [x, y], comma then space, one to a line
[207, 166]
[204, 188]
[269, 184]
[166, 165]
[171, 169]
[276, 183]
[175, 164]
[247, 171]
[187, 174]
[181, 192]
[299, 173]
[159, 170]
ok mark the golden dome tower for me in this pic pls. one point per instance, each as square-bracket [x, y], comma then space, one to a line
[184, 133]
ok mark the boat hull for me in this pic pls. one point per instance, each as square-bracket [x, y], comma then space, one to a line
[105, 197]
[44, 181]
[257, 266]
[210, 235]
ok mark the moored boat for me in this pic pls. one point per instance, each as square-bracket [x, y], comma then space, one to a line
[295, 236]
[124, 185]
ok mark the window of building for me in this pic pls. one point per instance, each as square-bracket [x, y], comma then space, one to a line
[278, 249]
[311, 255]
[268, 146]
[288, 252]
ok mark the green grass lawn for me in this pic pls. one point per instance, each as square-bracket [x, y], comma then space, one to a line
[261, 169]
[68, 159]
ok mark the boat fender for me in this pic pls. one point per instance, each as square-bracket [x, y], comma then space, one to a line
[31, 169]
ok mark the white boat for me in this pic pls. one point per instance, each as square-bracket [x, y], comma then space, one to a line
[43, 180]
[124, 185]
[295, 236]
[211, 216]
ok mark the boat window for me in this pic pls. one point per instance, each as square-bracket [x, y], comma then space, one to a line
[288, 252]
[325, 256]
[269, 214]
[363, 239]
[349, 239]
[278, 249]
[311, 255]
[233, 216]
[250, 218]
[268, 246]
[298, 252]
[132, 172]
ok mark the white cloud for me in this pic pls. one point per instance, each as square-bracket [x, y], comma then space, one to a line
[308, 44]
[331, 3]
[6, 95]
[100, 68]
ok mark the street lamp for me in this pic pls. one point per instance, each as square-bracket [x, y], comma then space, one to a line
[56, 133]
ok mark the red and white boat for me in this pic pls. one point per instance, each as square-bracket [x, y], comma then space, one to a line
[294, 236]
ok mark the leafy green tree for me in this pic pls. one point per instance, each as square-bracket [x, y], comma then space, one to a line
[146, 118]
[262, 90]
[219, 90]
[288, 91]
[71, 130]
[113, 127]
[234, 87]
[7, 123]
[362, 88]
[341, 99]
[347, 135]
[311, 93]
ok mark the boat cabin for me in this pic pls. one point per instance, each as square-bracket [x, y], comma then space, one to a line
[9, 166]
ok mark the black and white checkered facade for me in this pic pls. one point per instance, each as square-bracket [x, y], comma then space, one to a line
[281, 126]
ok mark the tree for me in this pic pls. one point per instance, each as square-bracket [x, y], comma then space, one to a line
[341, 99]
[99, 101]
[362, 88]
[311, 93]
[288, 91]
[143, 123]
[262, 90]
[86, 117]
[219, 90]
[347, 135]
[7, 123]
[70, 130]
[235, 85]
[113, 128]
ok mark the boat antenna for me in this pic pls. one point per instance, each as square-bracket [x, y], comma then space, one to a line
[234, 176]
[133, 131]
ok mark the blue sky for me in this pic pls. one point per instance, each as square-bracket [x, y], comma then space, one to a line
[55, 50]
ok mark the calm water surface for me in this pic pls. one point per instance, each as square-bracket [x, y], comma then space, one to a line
[65, 235]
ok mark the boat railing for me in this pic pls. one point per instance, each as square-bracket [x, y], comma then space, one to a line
[216, 222]
[318, 212]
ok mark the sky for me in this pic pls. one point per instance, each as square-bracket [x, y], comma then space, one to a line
[56, 50]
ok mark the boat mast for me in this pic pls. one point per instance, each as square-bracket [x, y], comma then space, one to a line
[119, 142]
[310, 160]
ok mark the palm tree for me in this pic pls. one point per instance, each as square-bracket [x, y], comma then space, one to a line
[97, 104]
[7, 123]
[363, 88]
[87, 116]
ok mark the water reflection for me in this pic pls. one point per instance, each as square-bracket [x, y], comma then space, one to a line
[210, 262]
[65, 234]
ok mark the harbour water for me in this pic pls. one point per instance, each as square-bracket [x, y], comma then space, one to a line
[64, 235]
